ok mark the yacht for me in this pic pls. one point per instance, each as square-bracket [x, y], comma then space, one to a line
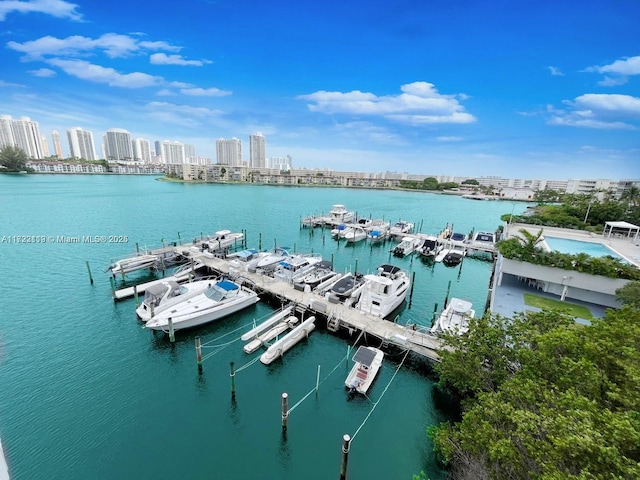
[407, 246]
[401, 228]
[430, 247]
[295, 266]
[160, 296]
[356, 234]
[340, 214]
[321, 271]
[267, 263]
[222, 298]
[367, 363]
[384, 292]
[241, 260]
[454, 318]
[221, 240]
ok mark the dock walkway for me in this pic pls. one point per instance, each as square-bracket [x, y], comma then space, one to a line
[337, 314]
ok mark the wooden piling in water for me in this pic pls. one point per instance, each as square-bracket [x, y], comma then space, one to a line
[435, 310]
[285, 410]
[112, 280]
[135, 295]
[317, 379]
[346, 444]
[172, 335]
[232, 374]
[89, 270]
[199, 352]
[413, 282]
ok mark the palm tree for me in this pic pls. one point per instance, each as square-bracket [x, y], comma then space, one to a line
[632, 195]
[529, 241]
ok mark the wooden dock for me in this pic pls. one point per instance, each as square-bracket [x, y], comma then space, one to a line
[337, 315]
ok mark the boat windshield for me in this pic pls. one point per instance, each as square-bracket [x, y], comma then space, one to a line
[215, 293]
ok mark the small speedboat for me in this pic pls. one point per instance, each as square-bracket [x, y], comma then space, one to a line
[267, 263]
[295, 266]
[132, 264]
[367, 363]
[454, 257]
[356, 234]
[222, 298]
[454, 318]
[430, 247]
[348, 286]
[221, 240]
[401, 228]
[321, 271]
[407, 246]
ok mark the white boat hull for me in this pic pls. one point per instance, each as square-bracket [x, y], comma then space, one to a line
[359, 378]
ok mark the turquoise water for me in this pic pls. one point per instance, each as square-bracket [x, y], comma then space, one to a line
[86, 392]
[573, 247]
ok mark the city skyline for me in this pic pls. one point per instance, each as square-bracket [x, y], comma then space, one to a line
[537, 90]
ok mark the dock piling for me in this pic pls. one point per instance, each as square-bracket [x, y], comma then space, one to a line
[137, 248]
[435, 310]
[135, 295]
[89, 270]
[172, 334]
[199, 352]
[112, 280]
[317, 379]
[285, 411]
[413, 282]
[232, 374]
[346, 444]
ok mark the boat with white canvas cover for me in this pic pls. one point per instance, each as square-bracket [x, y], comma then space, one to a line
[223, 298]
[356, 234]
[384, 292]
[222, 240]
[131, 264]
[407, 246]
[166, 294]
[367, 363]
[287, 342]
[454, 318]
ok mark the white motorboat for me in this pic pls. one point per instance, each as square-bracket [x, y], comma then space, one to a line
[341, 230]
[407, 246]
[458, 237]
[281, 346]
[222, 240]
[430, 247]
[294, 266]
[454, 318]
[367, 363]
[240, 261]
[340, 214]
[356, 234]
[221, 299]
[364, 223]
[349, 286]
[132, 264]
[160, 296]
[267, 263]
[401, 228]
[321, 271]
[384, 292]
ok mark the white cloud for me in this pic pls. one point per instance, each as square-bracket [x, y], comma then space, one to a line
[368, 132]
[183, 109]
[205, 92]
[627, 66]
[613, 81]
[112, 44]
[43, 72]
[555, 71]
[419, 103]
[164, 59]
[601, 111]
[55, 8]
[449, 139]
[8, 84]
[98, 74]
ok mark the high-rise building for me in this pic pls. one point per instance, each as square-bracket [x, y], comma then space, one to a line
[257, 150]
[190, 153]
[142, 150]
[45, 146]
[229, 151]
[57, 145]
[172, 152]
[118, 145]
[23, 133]
[282, 163]
[81, 144]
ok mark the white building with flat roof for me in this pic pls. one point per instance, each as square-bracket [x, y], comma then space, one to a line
[118, 146]
[229, 151]
[81, 144]
[257, 150]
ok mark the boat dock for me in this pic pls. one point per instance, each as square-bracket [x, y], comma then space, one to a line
[337, 315]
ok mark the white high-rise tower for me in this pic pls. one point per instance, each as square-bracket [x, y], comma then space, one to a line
[81, 144]
[257, 150]
[229, 151]
[118, 147]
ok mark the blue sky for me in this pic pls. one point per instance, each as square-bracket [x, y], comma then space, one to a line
[518, 89]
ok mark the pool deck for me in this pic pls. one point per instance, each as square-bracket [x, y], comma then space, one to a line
[626, 247]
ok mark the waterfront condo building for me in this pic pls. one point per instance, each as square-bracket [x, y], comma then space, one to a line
[81, 144]
[118, 146]
[229, 151]
[257, 150]
[23, 133]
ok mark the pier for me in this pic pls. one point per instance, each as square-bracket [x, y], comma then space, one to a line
[338, 316]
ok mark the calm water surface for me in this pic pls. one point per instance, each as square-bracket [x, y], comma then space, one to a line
[86, 392]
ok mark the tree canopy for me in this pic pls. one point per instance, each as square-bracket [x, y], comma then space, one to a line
[14, 159]
[544, 397]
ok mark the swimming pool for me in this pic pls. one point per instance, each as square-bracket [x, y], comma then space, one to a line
[573, 247]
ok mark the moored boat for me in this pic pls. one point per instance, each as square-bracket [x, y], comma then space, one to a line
[131, 264]
[401, 228]
[384, 292]
[454, 318]
[430, 247]
[160, 296]
[367, 363]
[406, 246]
[223, 298]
